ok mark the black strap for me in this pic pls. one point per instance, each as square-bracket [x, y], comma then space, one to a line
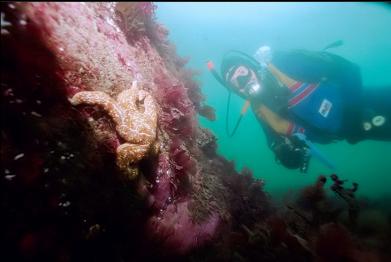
[223, 83]
[230, 134]
[250, 59]
[218, 78]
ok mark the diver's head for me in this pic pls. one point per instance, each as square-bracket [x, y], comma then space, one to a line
[241, 75]
[243, 81]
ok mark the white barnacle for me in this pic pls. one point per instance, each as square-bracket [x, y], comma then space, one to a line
[18, 156]
[4, 31]
[4, 23]
[9, 177]
[35, 114]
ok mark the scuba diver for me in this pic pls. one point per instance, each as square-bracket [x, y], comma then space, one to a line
[300, 97]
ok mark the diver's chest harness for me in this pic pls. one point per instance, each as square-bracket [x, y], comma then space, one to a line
[316, 104]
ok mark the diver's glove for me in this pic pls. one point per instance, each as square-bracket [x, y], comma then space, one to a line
[263, 55]
[313, 151]
[292, 153]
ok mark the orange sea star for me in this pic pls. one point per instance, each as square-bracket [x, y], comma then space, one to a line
[134, 113]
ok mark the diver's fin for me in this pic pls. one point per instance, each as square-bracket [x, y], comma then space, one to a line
[333, 44]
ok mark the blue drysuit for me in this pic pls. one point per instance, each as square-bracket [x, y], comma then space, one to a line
[336, 105]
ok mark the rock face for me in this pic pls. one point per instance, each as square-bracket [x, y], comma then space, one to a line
[137, 167]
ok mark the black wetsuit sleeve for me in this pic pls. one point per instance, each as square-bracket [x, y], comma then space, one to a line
[271, 136]
[287, 155]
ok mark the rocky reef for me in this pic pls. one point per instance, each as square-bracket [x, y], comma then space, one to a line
[102, 157]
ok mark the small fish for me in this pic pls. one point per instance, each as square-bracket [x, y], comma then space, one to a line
[334, 44]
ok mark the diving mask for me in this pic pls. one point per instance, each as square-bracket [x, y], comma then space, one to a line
[246, 81]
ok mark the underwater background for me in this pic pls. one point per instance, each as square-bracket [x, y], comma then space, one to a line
[206, 31]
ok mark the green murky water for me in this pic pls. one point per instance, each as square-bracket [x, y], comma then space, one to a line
[206, 31]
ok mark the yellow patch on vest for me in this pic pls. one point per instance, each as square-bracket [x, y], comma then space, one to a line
[277, 123]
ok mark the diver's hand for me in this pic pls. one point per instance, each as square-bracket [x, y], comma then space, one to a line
[298, 141]
[263, 55]
[292, 153]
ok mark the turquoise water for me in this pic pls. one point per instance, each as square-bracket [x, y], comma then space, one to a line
[206, 31]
